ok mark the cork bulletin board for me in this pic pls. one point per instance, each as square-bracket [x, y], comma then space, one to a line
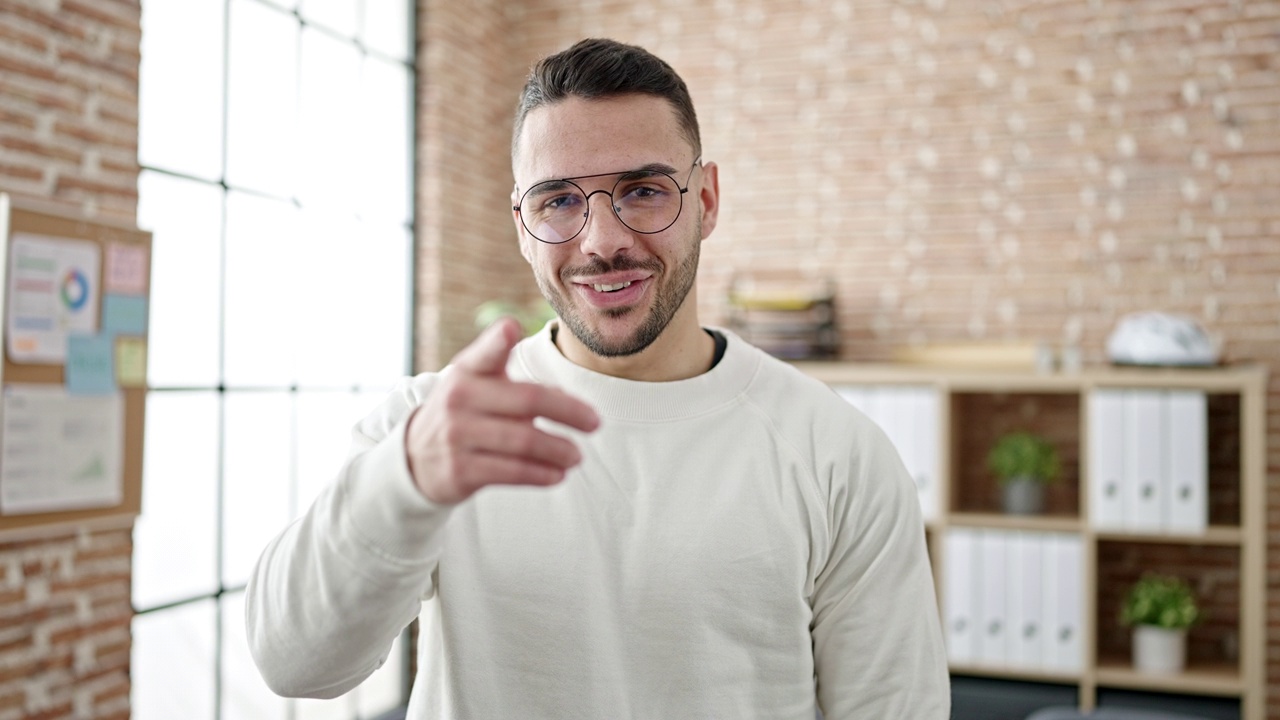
[74, 294]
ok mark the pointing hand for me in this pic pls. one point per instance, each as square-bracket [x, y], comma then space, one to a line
[476, 426]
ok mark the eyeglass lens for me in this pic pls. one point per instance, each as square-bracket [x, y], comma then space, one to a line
[555, 211]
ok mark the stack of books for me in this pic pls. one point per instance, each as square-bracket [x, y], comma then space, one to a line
[788, 324]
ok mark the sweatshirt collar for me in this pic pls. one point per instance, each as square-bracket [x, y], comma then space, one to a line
[540, 360]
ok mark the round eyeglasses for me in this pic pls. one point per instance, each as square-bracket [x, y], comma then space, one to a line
[647, 201]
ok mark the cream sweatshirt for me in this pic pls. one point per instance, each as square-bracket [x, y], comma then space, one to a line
[741, 544]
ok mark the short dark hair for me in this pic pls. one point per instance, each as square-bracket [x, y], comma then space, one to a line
[601, 68]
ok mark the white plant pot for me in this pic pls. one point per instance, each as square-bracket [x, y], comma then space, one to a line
[1023, 496]
[1159, 651]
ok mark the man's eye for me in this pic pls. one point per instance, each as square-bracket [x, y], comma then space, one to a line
[560, 202]
[643, 191]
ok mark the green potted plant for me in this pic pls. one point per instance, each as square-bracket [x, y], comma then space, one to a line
[1024, 463]
[1160, 609]
[531, 316]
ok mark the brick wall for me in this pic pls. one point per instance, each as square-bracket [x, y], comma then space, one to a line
[467, 252]
[973, 169]
[69, 103]
[68, 136]
[64, 624]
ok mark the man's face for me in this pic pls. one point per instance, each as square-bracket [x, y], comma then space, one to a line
[615, 289]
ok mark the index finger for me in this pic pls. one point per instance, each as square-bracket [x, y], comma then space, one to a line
[530, 400]
[487, 354]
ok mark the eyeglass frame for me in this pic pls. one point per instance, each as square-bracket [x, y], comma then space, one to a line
[586, 216]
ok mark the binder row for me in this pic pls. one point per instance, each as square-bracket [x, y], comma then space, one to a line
[909, 415]
[1013, 599]
[1148, 460]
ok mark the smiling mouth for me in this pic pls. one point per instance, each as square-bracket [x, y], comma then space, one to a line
[613, 287]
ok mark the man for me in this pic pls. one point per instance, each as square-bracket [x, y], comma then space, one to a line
[626, 515]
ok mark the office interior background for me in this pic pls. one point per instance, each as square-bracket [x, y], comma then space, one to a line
[328, 182]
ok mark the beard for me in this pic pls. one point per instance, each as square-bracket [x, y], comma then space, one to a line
[668, 299]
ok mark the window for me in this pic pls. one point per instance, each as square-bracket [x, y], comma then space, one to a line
[276, 144]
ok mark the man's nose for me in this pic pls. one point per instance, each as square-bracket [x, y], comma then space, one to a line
[604, 234]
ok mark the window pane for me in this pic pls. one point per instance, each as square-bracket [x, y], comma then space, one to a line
[261, 288]
[172, 663]
[174, 539]
[180, 87]
[384, 689]
[323, 276]
[325, 420]
[244, 694]
[379, 277]
[185, 219]
[337, 15]
[257, 477]
[384, 176]
[387, 28]
[329, 122]
[262, 98]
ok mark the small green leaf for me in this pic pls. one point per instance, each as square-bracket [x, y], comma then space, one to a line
[1023, 454]
[1159, 600]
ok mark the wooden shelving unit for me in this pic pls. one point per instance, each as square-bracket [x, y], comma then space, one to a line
[1235, 536]
[1219, 680]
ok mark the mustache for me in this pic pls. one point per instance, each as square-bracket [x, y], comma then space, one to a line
[599, 266]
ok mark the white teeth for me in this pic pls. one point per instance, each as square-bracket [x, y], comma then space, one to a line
[611, 288]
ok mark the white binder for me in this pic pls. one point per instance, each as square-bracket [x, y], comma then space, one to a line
[923, 412]
[893, 416]
[1063, 602]
[1106, 459]
[1144, 453]
[1026, 596]
[1186, 461]
[960, 594]
[993, 600]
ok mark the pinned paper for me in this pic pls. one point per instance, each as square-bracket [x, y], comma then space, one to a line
[124, 314]
[60, 452]
[131, 362]
[126, 269]
[89, 365]
[53, 291]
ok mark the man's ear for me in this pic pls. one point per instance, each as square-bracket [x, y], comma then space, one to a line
[521, 234]
[709, 197]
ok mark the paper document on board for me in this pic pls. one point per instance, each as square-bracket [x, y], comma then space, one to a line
[52, 292]
[60, 451]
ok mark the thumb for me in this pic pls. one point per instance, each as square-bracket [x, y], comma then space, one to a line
[487, 354]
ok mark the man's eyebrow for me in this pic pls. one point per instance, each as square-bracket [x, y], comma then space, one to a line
[654, 167]
[642, 170]
[551, 185]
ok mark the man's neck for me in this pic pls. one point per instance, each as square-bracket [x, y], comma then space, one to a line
[682, 351]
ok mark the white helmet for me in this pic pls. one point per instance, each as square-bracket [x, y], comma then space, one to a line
[1153, 338]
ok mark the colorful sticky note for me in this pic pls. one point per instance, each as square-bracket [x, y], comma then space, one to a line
[124, 314]
[126, 269]
[89, 365]
[131, 362]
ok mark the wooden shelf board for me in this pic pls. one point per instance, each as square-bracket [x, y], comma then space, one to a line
[1213, 535]
[998, 379]
[1054, 523]
[1223, 680]
[1008, 672]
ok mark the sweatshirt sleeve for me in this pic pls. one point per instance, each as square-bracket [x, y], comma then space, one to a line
[877, 636]
[330, 594]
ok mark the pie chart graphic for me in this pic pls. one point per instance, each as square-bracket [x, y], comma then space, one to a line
[75, 290]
